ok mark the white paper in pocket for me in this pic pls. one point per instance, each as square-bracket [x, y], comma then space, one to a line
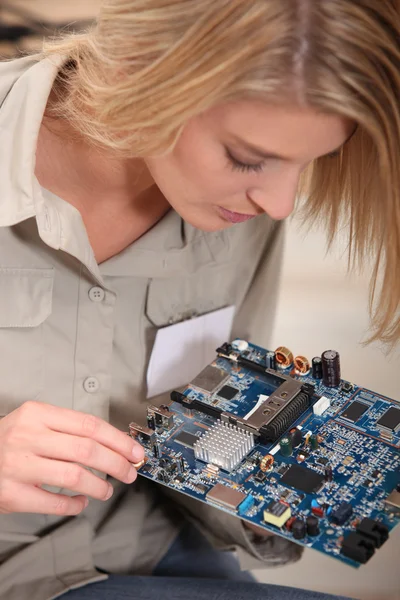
[182, 350]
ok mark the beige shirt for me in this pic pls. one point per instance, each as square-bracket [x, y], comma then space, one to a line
[79, 335]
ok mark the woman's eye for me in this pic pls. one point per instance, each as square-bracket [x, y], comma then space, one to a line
[238, 165]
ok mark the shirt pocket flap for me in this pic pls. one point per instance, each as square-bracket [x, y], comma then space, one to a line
[25, 296]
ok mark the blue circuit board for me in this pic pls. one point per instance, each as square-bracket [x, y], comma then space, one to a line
[330, 481]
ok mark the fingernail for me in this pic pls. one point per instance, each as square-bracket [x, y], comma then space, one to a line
[137, 453]
[86, 502]
[132, 473]
[110, 492]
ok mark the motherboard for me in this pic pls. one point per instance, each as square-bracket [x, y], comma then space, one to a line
[285, 444]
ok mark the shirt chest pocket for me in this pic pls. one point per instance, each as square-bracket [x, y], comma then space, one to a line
[25, 304]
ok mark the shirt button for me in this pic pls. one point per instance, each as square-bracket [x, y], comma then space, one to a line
[96, 294]
[91, 385]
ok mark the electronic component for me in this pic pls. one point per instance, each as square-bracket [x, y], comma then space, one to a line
[357, 547]
[286, 446]
[157, 450]
[277, 513]
[186, 438]
[341, 514]
[354, 411]
[352, 461]
[331, 368]
[162, 416]
[246, 505]
[375, 531]
[299, 529]
[367, 483]
[296, 437]
[142, 433]
[312, 525]
[390, 420]
[210, 379]
[328, 474]
[227, 392]
[303, 479]
[317, 367]
[240, 345]
[346, 387]
[317, 509]
[151, 422]
[321, 406]
[392, 502]
[270, 360]
[226, 497]
[302, 365]
[224, 445]
[284, 357]
[267, 463]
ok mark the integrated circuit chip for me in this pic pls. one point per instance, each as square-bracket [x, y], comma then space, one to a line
[390, 420]
[355, 411]
[303, 479]
[186, 439]
[228, 392]
[210, 379]
[226, 497]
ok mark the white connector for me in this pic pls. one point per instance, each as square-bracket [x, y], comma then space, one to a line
[321, 406]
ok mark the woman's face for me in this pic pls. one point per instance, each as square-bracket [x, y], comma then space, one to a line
[243, 159]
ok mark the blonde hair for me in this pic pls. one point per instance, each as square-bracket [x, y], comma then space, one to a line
[148, 66]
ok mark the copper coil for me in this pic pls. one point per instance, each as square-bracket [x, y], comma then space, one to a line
[302, 364]
[267, 462]
[283, 356]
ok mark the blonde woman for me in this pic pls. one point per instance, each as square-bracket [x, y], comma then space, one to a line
[145, 169]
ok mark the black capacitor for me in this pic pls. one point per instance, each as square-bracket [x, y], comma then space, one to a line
[157, 450]
[180, 464]
[331, 368]
[312, 524]
[317, 367]
[296, 437]
[299, 529]
[328, 474]
[270, 360]
[151, 424]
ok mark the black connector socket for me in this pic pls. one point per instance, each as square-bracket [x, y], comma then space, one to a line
[376, 532]
[358, 547]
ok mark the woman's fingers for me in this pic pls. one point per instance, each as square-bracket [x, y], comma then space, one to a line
[24, 498]
[39, 471]
[85, 451]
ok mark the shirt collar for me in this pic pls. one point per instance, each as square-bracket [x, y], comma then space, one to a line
[169, 247]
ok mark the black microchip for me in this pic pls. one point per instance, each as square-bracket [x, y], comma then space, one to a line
[201, 488]
[346, 387]
[186, 439]
[227, 392]
[282, 469]
[390, 420]
[367, 483]
[260, 476]
[322, 461]
[302, 479]
[375, 474]
[355, 411]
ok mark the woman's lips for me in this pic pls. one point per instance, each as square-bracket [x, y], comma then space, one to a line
[234, 217]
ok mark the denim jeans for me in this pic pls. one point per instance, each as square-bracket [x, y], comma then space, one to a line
[192, 570]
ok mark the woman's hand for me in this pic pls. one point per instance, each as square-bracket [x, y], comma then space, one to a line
[257, 530]
[41, 444]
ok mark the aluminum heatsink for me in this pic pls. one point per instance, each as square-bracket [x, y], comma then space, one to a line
[224, 445]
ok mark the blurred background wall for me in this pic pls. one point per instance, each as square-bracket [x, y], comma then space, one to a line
[320, 307]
